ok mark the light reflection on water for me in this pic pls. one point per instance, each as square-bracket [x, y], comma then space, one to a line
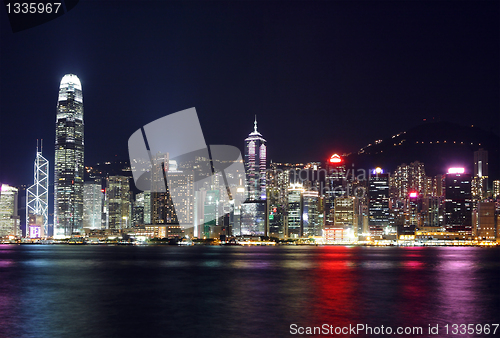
[158, 291]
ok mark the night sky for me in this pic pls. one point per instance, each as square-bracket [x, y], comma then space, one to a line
[321, 76]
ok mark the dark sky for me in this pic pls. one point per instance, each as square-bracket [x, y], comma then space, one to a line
[321, 76]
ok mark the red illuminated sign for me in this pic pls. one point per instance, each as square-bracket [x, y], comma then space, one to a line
[336, 159]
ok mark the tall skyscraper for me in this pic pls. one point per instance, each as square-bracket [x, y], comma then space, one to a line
[312, 219]
[253, 212]
[496, 189]
[68, 168]
[9, 219]
[458, 202]
[92, 204]
[346, 216]
[294, 211]
[118, 204]
[378, 204]
[480, 182]
[37, 195]
[255, 165]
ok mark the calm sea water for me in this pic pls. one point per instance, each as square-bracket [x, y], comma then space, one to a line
[168, 291]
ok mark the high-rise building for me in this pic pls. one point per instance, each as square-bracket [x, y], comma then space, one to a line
[162, 206]
[484, 221]
[253, 216]
[255, 165]
[496, 189]
[346, 216]
[458, 202]
[181, 186]
[118, 204]
[480, 186]
[92, 204]
[211, 212]
[294, 211]
[138, 210]
[37, 196]
[68, 167]
[147, 207]
[9, 219]
[312, 219]
[378, 202]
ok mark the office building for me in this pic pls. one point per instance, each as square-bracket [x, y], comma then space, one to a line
[480, 186]
[37, 196]
[253, 215]
[294, 211]
[255, 165]
[118, 204]
[93, 197]
[312, 217]
[378, 202]
[458, 202]
[9, 218]
[346, 217]
[496, 189]
[69, 155]
[484, 221]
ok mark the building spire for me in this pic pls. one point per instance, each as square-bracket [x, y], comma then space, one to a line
[255, 124]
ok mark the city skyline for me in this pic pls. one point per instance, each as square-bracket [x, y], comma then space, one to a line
[339, 75]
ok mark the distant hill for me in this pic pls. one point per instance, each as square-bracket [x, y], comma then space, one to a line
[438, 145]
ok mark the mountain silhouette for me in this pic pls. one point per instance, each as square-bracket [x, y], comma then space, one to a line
[439, 145]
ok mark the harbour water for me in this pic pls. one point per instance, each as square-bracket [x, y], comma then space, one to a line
[231, 291]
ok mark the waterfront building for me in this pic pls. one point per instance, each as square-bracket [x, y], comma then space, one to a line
[312, 217]
[9, 218]
[253, 215]
[294, 211]
[255, 165]
[457, 201]
[480, 182]
[37, 195]
[346, 217]
[484, 221]
[378, 202]
[92, 204]
[118, 204]
[211, 212]
[496, 189]
[69, 156]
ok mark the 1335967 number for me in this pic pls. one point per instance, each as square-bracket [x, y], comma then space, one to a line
[471, 329]
[33, 7]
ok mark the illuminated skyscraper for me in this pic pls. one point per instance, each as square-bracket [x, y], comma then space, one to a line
[312, 219]
[346, 216]
[37, 195]
[496, 189]
[92, 204]
[253, 211]
[9, 219]
[378, 205]
[294, 208]
[255, 165]
[68, 168]
[118, 204]
[458, 201]
[480, 182]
